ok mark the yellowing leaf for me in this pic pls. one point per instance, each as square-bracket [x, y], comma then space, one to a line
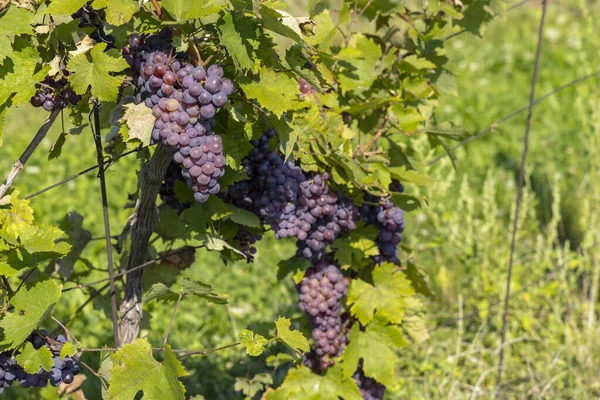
[135, 369]
[384, 298]
[275, 91]
[31, 359]
[293, 339]
[68, 350]
[95, 69]
[140, 122]
[253, 342]
[32, 305]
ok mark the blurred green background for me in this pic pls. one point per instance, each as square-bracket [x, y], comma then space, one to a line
[461, 240]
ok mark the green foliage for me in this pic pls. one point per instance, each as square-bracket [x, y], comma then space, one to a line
[161, 292]
[134, 369]
[31, 359]
[294, 339]
[253, 343]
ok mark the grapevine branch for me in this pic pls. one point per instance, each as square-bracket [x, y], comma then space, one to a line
[520, 195]
[142, 225]
[515, 113]
[109, 254]
[20, 163]
[184, 352]
[172, 319]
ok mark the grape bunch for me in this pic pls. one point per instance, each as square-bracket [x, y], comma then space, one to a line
[92, 18]
[247, 241]
[63, 370]
[321, 292]
[292, 203]
[53, 94]
[369, 388]
[184, 99]
[389, 220]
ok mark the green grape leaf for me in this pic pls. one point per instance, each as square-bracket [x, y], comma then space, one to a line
[160, 292]
[79, 237]
[243, 217]
[357, 246]
[325, 31]
[139, 121]
[413, 63]
[31, 359]
[274, 20]
[384, 298]
[276, 91]
[19, 77]
[16, 219]
[41, 238]
[7, 270]
[293, 339]
[408, 119]
[253, 342]
[68, 350]
[64, 7]
[184, 10]
[302, 384]
[135, 369]
[3, 110]
[95, 68]
[234, 37]
[118, 12]
[410, 175]
[5, 47]
[377, 346]
[295, 264]
[16, 21]
[32, 304]
[359, 63]
[249, 387]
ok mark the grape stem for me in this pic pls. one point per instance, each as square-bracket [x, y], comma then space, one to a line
[20, 163]
[171, 322]
[374, 138]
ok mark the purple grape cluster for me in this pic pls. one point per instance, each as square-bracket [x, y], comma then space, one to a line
[247, 241]
[184, 99]
[63, 371]
[53, 94]
[321, 292]
[369, 388]
[292, 203]
[389, 220]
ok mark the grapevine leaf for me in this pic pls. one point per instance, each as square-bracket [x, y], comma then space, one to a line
[249, 387]
[384, 298]
[276, 91]
[40, 238]
[118, 12]
[16, 21]
[295, 264]
[325, 31]
[140, 122]
[160, 292]
[253, 342]
[202, 290]
[234, 35]
[274, 21]
[68, 350]
[357, 246]
[359, 62]
[95, 68]
[134, 369]
[16, 219]
[64, 7]
[243, 217]
[106, 365]
[418, 280]
[79, 237]
[377, 346]
[56, 149]
[5, 47]
[410, 175]
[413, 63]
[293, 339]
[19, 77]
[31, 359]
[7, 270]
[183, 10]
[302, 384]
[408, 119]
[3, 110]
[32, 304]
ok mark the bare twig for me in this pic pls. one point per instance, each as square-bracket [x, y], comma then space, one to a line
[519, 196]
[205, 352]
[157, 8]
[376, 136]
[109, 253]
[97, 375]
[515, 113]
[67, 331]
[172, 319]
[20, 163]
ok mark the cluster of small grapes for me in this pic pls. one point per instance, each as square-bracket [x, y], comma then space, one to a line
[53, 94]
[184, 99]
[167, 188]
[92, 18]
[294, 205]
[305, 87]
[63, 371]
[247, 241]
[321, 292]
[389, 220]
[369, 388]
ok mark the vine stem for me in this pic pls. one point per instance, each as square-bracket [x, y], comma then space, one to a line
[67, 331]
[20, 163]
[171, 322]
[519, 197]
[376, 136]
[205, 352]
[184, 351]
[97, 375]
[107, 235]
